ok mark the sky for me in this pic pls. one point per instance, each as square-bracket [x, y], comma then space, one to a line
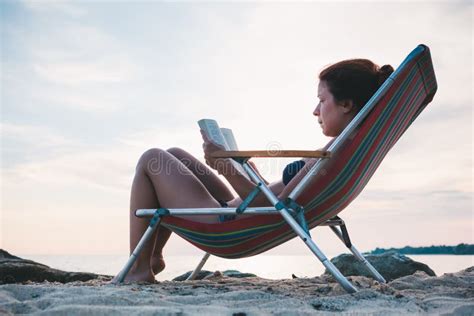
[88, 86]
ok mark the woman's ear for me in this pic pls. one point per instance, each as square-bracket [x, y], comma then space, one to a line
[347, 106]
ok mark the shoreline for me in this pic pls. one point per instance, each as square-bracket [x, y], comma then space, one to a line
[265, 266]
[417, 294]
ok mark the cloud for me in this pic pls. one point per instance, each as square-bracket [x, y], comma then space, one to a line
[31, 135]
[45, 157]
[458, 201]
[51, 88]
[86, 100]
[77, 73]
[435, 152]
[55, 7]
[21, 143]
[107, 169]
[77, 66]
[41, 155]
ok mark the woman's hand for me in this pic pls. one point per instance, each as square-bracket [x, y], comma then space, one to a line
[209, 148]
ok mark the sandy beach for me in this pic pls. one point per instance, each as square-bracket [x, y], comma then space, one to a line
[418, 294]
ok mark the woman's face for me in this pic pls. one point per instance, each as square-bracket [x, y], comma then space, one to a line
[333, 116]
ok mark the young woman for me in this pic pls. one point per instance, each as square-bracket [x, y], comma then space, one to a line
[174, 178]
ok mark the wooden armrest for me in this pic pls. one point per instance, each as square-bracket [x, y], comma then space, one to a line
[270, 153]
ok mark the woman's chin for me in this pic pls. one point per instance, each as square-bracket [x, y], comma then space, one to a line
[328, 134]
[325, 131]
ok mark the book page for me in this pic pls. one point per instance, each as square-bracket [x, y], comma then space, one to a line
[229, 138]
[212, 130]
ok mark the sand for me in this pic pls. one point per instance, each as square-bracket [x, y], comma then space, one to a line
[417, 294]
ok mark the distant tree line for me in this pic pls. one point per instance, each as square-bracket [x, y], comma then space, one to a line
[461, 249]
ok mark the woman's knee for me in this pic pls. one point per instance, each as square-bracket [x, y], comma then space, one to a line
[152, 160]
[182, 155]
[178, 152]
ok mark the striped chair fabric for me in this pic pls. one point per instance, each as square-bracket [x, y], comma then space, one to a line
[342, 179]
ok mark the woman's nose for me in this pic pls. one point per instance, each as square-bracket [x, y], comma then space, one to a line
[316, 110]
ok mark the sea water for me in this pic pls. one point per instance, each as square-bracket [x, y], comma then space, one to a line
[265, 266]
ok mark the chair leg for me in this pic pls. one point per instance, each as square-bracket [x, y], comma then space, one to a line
[196, 271]
[284, 211]
[340, 278]
[154, 222]
[359, 256]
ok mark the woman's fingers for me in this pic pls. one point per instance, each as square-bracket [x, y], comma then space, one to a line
[209, 147]
[208, 141]
[204, 137]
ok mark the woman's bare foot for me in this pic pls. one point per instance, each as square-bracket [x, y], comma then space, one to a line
[157, 264]
[140, 276]
[136, 276]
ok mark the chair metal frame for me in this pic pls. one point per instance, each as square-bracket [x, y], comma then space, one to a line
[279, 207]
[290, 211]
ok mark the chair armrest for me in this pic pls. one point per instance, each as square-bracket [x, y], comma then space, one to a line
[271, 153]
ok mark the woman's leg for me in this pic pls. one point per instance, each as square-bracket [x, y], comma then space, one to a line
[161, 180]
[211, 181]
[142, 196]
[213, 184]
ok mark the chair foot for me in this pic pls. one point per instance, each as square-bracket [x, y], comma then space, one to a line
[340, 278]
[198, 269]
[357, 254]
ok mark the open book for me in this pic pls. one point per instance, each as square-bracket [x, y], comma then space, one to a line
[223, 137]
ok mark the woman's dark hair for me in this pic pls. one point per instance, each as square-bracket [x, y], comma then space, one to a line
[355, 79]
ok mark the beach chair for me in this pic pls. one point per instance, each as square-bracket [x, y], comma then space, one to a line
[324, 192]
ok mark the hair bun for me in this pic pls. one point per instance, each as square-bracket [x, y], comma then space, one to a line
[383, 73]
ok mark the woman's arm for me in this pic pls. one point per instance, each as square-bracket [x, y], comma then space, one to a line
[244, 186]
[309, 163]
[297, 178]
[240, 183]
[261, 200]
